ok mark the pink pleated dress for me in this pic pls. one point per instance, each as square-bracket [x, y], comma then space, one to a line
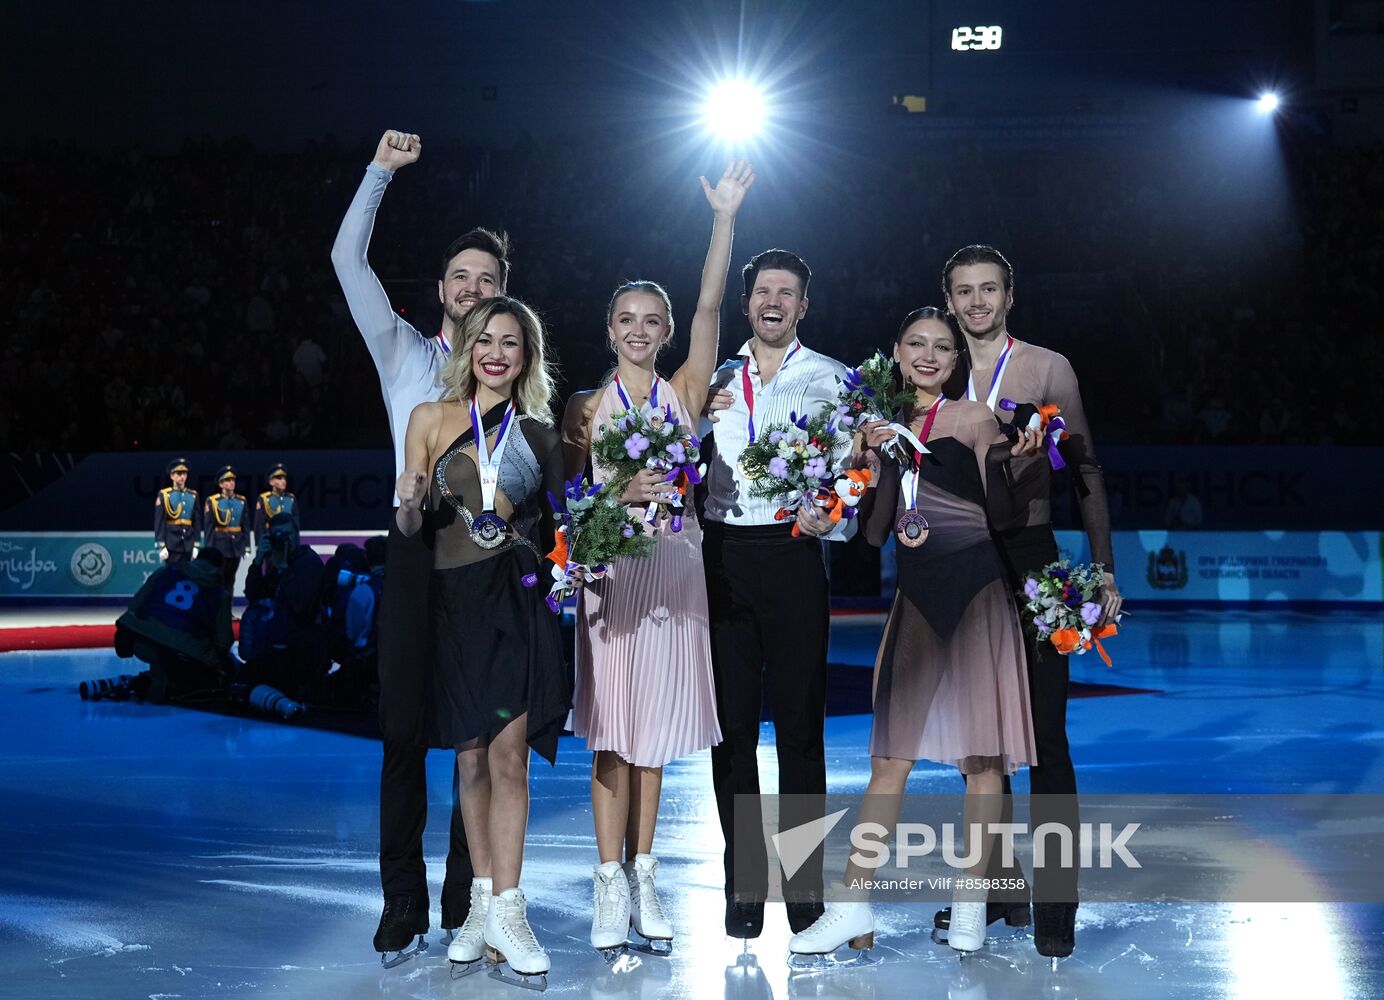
[644, 686]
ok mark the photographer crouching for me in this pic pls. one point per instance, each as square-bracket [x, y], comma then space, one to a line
[179, 623]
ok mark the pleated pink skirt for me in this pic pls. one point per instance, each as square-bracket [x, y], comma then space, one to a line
[644, 687]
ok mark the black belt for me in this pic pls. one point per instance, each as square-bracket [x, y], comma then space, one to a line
[755, 534]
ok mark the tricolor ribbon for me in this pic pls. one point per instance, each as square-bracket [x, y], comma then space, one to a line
[747, 386]
[913, 474]
[651, 405]
[994, 392]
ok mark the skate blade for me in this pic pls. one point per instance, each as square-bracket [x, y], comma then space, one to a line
[613, 954]
[662, 947]
[843, 958]
[460, 970]
[400, 957]
[538, 981]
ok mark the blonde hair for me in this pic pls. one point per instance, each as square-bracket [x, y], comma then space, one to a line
[533, 389]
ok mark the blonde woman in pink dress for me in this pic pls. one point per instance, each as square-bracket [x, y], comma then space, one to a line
[644, 689]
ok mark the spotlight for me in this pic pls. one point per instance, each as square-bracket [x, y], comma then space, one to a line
[734, 109]
[1267, 103]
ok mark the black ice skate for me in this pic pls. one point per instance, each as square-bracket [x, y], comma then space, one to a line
[404, 919]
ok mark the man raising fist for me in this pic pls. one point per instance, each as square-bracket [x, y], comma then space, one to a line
[474, 266]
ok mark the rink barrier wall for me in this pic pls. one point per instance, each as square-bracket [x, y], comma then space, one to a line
[1231, 568]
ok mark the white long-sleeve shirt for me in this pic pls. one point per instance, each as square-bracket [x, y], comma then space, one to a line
[804, 383]
[407, 362]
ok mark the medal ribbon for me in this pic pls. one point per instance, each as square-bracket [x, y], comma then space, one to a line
[652, 404]
[994, 379]
[487, 461]
[912, 476]
[747, 387]
[442, 342]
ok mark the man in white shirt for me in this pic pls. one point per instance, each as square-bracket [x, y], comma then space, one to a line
[475, 266]
[767, 594]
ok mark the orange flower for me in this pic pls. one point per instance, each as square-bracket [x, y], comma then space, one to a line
[1065, 640]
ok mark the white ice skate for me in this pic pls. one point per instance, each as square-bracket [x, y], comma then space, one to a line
[967, 932]
[509, 940]
[467, 948]
[610, 910]
[646, 912]
[848, 922]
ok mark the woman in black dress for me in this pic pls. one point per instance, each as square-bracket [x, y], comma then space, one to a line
[498, 679]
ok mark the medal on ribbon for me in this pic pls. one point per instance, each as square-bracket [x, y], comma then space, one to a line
[488, 529]
[911, 529]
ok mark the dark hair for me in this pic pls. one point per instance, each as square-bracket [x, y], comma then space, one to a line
[495, 244]
[376, 547]
[954, 387]
[775, 260]
[977, 253]
[212, 557]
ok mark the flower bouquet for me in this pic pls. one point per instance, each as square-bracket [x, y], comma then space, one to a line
[868, 393]
[1062, 602]
[635, 440]
[593, 530]
[799, 462]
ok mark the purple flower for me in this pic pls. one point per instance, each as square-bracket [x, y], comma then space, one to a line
[677, 452]
[1041, 625]
[775, 437]
[636, 444]
[1031, 590]
[848, 421]
[627, 531]
[1090, 613]
[816, 468]
[778, 467]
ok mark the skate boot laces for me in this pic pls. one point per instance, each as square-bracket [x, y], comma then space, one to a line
[649, 905]
[607, 902]
[474, 923]
[516, 926]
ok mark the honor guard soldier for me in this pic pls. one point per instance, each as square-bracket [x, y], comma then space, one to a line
[176, 516]
[225, 519]
[275, 500]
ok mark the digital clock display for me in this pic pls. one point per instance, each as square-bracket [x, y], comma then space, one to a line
[979, 39]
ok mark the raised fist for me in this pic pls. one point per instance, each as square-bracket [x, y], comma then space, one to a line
[397, 149]
[411, 489]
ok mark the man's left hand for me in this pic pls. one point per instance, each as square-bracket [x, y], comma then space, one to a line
[1111, 601]
[812, 521]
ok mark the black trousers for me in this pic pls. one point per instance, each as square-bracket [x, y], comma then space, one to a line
[1052, 780]
[768, 600]
[404, 651]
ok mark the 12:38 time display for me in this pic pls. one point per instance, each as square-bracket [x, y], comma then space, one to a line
[978, 39]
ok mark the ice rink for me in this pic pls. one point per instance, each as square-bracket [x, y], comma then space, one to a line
[158, 852]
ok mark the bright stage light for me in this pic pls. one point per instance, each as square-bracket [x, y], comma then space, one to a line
[734, 109]
[1267, 103]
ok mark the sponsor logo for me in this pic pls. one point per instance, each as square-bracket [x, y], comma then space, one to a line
[91, 564]
[21, 569]
[1167, 569]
